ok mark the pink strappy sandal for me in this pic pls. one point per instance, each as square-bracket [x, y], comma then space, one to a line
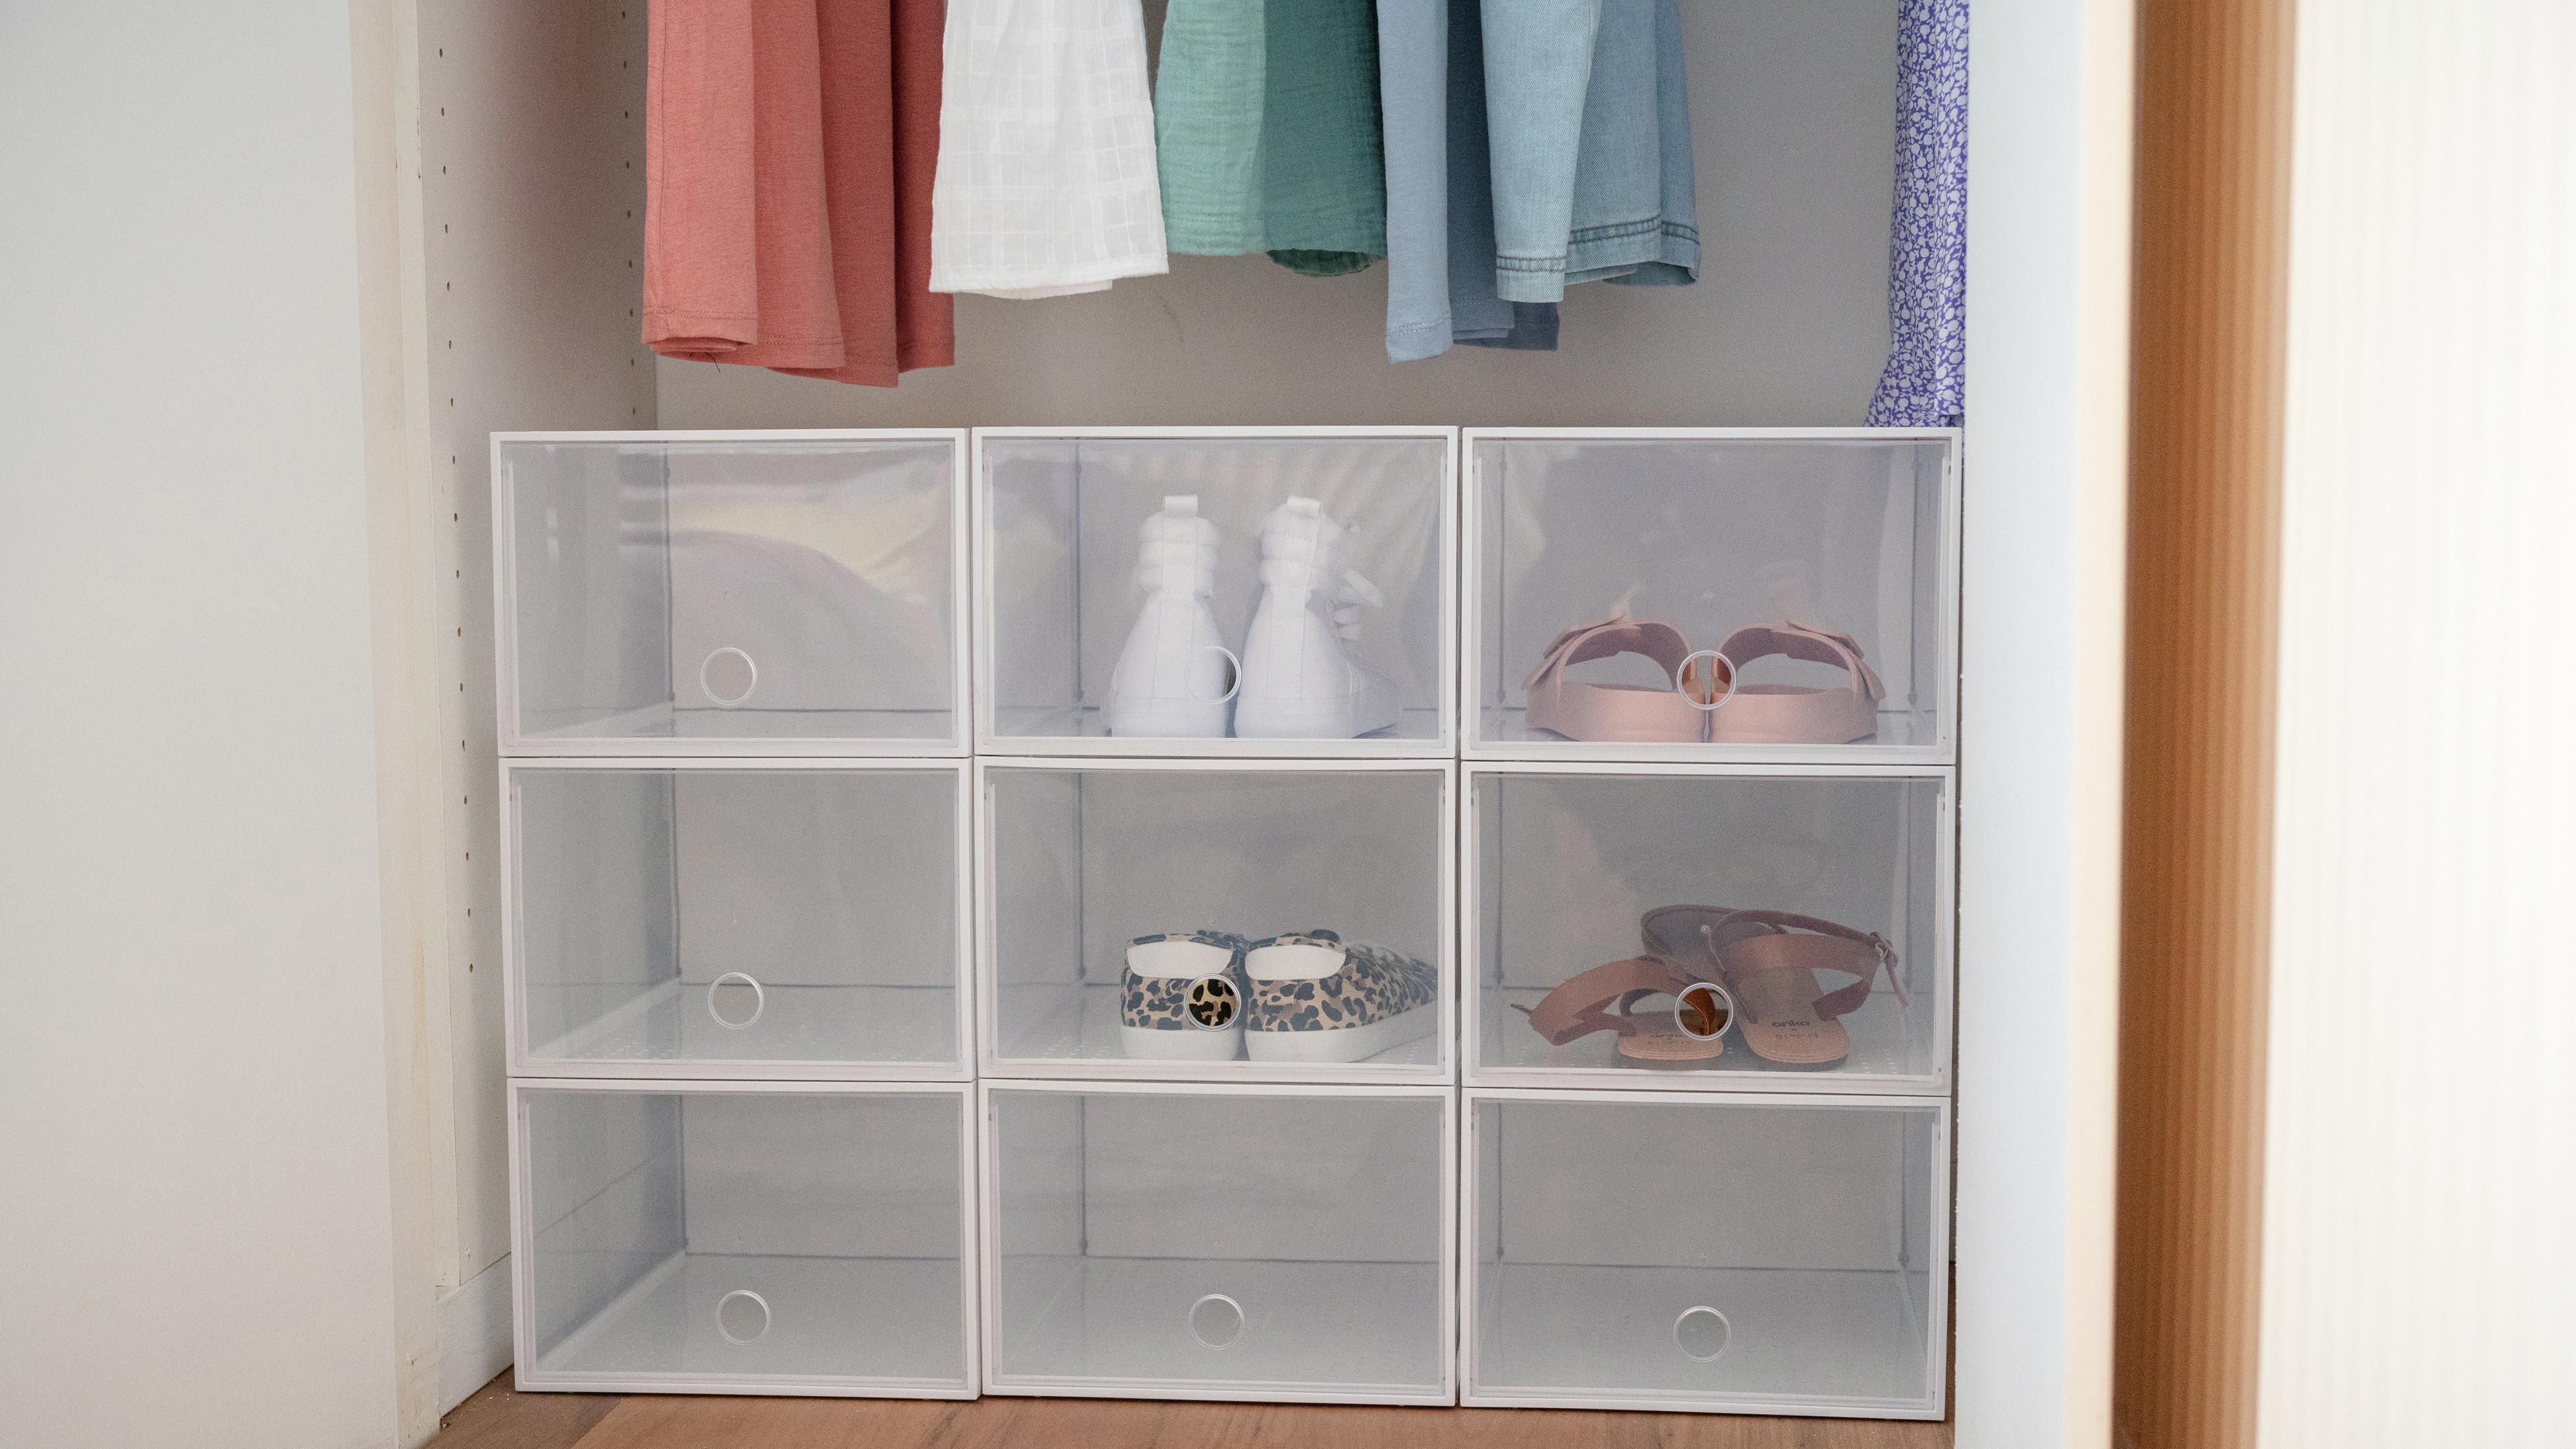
[1604, 999]
[1768, 961]
[1628, 713]
[1791, 714]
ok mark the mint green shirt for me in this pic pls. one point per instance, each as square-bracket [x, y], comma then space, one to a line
[1266, 132]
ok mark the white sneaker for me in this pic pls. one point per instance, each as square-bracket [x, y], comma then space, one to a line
[1175, 678]
[1299, 680]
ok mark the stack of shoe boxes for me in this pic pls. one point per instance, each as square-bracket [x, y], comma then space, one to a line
[1394, 937]
[732, 681]
[1216, 821]
[1706, 929]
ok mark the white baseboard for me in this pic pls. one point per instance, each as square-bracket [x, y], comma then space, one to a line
[474, 1334]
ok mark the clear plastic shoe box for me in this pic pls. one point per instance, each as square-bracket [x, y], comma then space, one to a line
[1062, 522]
[1826, 559]
[1810, 897]
[1770, 1256]
[1194, 1241]
[731, 594]
[1081, 859]
[738, 919]
[716, 1237]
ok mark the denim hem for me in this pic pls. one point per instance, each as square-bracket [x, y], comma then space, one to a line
[1415, 341]
[1603, 252]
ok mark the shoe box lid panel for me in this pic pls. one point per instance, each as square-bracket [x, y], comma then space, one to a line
[1127, 1178]
[1821, 1221]
[1381, 882]
[814, 541]
[1927, 909]
[1050, 620]
[672, 1203]
[787, 938]
[1883, 548]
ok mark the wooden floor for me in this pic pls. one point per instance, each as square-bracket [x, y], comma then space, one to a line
[497, 1417]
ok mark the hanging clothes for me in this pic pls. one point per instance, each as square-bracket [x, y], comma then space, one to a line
[786, 211]
[1439, 188]
[1207, 125]
[1047, 181]
[881, 81]
[1323, 176]
[1925, 384]
[1267, 128]
[1588, 109]
[1636, 203]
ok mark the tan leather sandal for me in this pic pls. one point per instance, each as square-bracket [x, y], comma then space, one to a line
[1694, 1030]
[1794, 714]
[1768, 962]
[1706, 702]
[1676, 712]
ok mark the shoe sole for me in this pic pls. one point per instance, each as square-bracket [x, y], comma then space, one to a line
[1185, 719]
[1298, 719]
[1343, 1044]
[1202, 1044]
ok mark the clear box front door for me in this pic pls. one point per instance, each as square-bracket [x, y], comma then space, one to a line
[1268, 921]
[1660, 928]
[767, 921]
[1708, 1253]
[684, 1239]
[1197, 593]
[1189, 1243]
[745, 595]
[1711, 595]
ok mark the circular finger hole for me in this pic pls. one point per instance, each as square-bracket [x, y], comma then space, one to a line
[1706, 679]
[1701, 1333]
[1216, 1320]
[735, 1000]
[728, 676]
[1233, 676]
[1213, 1002]
[1704, 1011]
[742, 1316]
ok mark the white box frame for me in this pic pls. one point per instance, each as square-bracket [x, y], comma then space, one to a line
[1473, 745]
[988, 1173]
[1936, 1332]
[989, 1061]
[1444, 746]
[961, 620]
[962, 908]
[969, 1255]
[1767, 1085]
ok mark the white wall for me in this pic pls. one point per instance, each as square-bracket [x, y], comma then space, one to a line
[2043, 531]
[2421, 1132]
[194, 1216]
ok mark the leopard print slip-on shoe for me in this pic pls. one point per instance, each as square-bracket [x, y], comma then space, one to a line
[1317, 998]
[1183, 997]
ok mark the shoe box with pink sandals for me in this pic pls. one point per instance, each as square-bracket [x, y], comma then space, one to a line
[1381, 914]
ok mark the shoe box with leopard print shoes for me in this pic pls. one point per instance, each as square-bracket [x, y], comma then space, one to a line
[1112, 912]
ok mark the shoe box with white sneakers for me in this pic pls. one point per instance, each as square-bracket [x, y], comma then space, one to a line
[1278, 595]
[1120, 974]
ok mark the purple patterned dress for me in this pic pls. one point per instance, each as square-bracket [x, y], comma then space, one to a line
[1927, 263]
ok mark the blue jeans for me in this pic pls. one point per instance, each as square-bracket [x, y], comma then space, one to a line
[1588, 108]
[1439, 188]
